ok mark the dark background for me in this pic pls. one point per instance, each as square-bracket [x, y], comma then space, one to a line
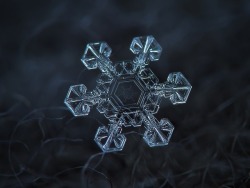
[43, 145]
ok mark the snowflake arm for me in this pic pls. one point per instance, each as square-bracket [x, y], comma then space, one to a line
[146, 49]
[177, 88]
[96, 55]
[157, 133]
[79, 101]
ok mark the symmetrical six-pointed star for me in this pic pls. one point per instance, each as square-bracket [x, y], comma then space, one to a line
[128, 94]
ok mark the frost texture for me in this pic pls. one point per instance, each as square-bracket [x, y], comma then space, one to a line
[128, 94]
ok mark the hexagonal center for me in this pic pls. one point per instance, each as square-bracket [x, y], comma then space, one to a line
[128, 92]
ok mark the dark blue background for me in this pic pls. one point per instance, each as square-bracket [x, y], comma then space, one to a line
[43, 145]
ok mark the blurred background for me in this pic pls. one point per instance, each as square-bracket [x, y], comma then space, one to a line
[43, 145]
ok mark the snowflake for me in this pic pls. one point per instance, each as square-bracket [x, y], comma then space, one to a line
[128, 94]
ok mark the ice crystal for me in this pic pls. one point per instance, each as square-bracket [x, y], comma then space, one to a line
[128, 94]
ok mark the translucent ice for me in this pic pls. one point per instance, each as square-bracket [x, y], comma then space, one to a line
[128, 94]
